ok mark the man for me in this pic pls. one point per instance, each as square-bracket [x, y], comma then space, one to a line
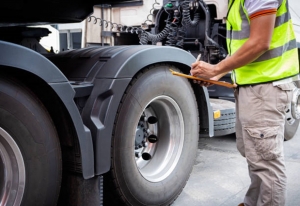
[264, 62]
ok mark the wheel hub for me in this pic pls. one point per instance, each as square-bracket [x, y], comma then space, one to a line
[159, 138]
[139, 137]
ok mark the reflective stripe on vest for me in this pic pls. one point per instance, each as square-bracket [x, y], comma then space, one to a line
[279, 62]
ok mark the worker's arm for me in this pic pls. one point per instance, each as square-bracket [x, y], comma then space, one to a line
[261, 30]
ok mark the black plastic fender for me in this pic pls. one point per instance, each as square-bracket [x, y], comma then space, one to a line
[22, 58]
[110, 70]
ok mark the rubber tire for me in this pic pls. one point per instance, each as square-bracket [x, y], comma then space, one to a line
[290, 130]
[26, 120]
[130, 185]
[225, 124]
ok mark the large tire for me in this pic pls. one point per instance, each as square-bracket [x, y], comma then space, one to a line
[225, 124]
[158, 181]
[291, 127]
[291, 124]
[30, 156]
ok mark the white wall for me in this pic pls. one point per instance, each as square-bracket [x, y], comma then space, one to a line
[295, 13]
[52, 40]
[137, 15]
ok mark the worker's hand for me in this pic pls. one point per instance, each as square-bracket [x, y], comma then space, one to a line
[206, 84]
[203, 69]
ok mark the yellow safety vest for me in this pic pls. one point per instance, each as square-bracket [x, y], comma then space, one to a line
[279, 62]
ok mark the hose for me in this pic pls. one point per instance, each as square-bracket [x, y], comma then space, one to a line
[177, 32]
[151, 12]
[154, 38]
[186, 15]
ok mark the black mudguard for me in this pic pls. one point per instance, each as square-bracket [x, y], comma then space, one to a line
[12, 55]
[110, 70]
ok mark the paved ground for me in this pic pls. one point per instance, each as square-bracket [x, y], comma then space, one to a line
[220, 175]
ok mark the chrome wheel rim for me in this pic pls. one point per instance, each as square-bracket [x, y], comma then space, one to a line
[157, 160]
[12, 171]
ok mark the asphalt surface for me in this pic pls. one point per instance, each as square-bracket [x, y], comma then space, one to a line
[220, 175]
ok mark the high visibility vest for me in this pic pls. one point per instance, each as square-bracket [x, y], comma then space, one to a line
[279, 62]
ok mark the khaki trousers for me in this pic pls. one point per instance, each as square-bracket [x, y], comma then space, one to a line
[260, 111]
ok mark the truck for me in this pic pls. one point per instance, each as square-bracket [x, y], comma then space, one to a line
[109, 124]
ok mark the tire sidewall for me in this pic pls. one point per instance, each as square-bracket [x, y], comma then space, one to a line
[25, 119]
[154, 82]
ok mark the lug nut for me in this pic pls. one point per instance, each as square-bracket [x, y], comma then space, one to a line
[152, 120]
[137, 154]
[146, 156]
[152, 138]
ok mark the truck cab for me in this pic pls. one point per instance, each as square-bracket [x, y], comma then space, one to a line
[106, 122]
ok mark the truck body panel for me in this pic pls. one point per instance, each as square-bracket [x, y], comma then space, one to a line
[16, 56]
[110, 70]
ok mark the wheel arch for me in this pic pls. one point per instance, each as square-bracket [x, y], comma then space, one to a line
[137, 58]
[134, 59]
[41, 74]
[111, 82]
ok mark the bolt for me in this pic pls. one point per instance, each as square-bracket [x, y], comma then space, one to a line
[152, 138]
[152, 120]
[146, 156]
[137, 154]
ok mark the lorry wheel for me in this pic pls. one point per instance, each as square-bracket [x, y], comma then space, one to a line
[30, 157]
[291, 124]
[225, 124]
[155, 139]
[290, 128]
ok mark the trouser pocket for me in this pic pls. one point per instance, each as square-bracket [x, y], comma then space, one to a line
[284, 95]
[267, 141]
